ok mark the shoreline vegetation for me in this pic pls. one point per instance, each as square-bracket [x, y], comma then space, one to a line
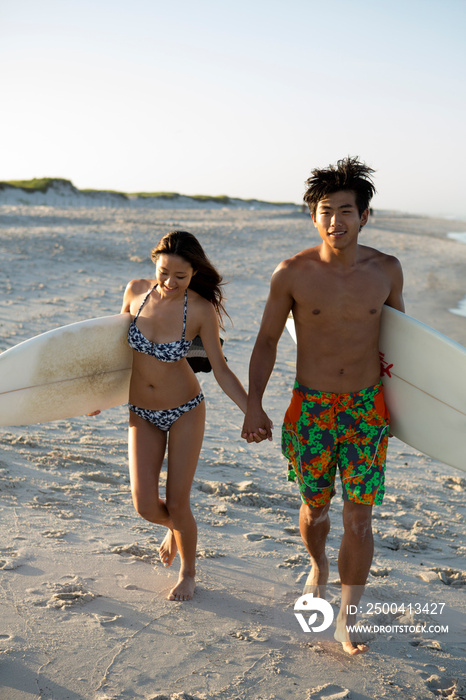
[62, 187]
[56, 191]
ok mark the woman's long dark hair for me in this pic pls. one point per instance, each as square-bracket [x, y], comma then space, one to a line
[207, 281]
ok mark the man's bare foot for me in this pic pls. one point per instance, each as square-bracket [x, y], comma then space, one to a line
[351, 642]
[184, 589]
[168, 549]
[316, 581]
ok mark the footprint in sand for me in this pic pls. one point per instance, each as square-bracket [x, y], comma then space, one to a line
[20, 440]
[410, 543]
[445, 687]
[256, 536]
[179, 696]
[295, 560]
[67, 595]
[380, 571]
[455, 483]
[100, 477]
[106, 618]
[247, 493]
[11, 560]
[249, 636]
[329, 691]
[208, 554]
[292, 530]
[58, 505]
[137, 552]
[451, 577]
[54, 534]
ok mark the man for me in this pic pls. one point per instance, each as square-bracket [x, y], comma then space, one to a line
[337, 415]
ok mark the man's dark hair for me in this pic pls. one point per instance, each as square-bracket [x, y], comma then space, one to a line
[348, 174]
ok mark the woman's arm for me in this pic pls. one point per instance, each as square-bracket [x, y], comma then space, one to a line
[129, 295]
[226, 379]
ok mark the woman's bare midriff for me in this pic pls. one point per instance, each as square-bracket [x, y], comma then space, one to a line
[161, 385]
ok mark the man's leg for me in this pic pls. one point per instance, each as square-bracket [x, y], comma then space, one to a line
[314, 524]
[362, 465]
[354, 561]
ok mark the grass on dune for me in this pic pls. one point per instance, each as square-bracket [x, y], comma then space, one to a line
[43, 184]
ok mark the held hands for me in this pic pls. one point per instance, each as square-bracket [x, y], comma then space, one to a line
[257, 426]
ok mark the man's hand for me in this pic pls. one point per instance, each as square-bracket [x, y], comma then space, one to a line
[257, 426]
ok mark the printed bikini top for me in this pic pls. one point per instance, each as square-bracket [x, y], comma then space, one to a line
[166, 352]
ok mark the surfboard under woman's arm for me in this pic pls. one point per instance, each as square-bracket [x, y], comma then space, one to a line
[125, 308]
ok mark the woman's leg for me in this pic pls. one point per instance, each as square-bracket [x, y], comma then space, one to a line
[146, 450]
[184, 446]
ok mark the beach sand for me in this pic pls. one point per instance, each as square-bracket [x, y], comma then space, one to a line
[83, 609]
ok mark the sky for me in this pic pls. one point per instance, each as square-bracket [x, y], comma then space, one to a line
[241, 98]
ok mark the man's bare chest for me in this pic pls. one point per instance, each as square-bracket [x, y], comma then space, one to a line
[356, 294]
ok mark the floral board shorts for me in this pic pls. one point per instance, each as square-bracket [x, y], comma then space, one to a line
[322, 431]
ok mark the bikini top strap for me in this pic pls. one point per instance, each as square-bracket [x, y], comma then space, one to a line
[185, 313]
[143, 302]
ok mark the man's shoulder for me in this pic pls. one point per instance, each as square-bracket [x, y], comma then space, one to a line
[368, 254]
[300, 260]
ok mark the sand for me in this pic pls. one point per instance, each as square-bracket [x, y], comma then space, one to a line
[83, 602]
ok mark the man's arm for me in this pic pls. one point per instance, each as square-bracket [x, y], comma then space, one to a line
[395, 298]
[277, 308]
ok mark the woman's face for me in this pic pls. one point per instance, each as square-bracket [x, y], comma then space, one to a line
[173, 274]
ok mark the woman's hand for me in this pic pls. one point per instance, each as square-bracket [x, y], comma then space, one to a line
[257, 426]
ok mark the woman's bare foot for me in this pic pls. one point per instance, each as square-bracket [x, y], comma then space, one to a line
[168, 549]
[316, 581]
[184, 589]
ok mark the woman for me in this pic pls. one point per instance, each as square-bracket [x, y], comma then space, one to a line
[165, 401]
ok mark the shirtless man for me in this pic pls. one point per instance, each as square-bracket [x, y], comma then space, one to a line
[337, 415]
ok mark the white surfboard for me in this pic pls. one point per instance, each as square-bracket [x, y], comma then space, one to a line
[424, 378]
[69, 371]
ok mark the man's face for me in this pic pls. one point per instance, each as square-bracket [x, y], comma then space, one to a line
[337, 219]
